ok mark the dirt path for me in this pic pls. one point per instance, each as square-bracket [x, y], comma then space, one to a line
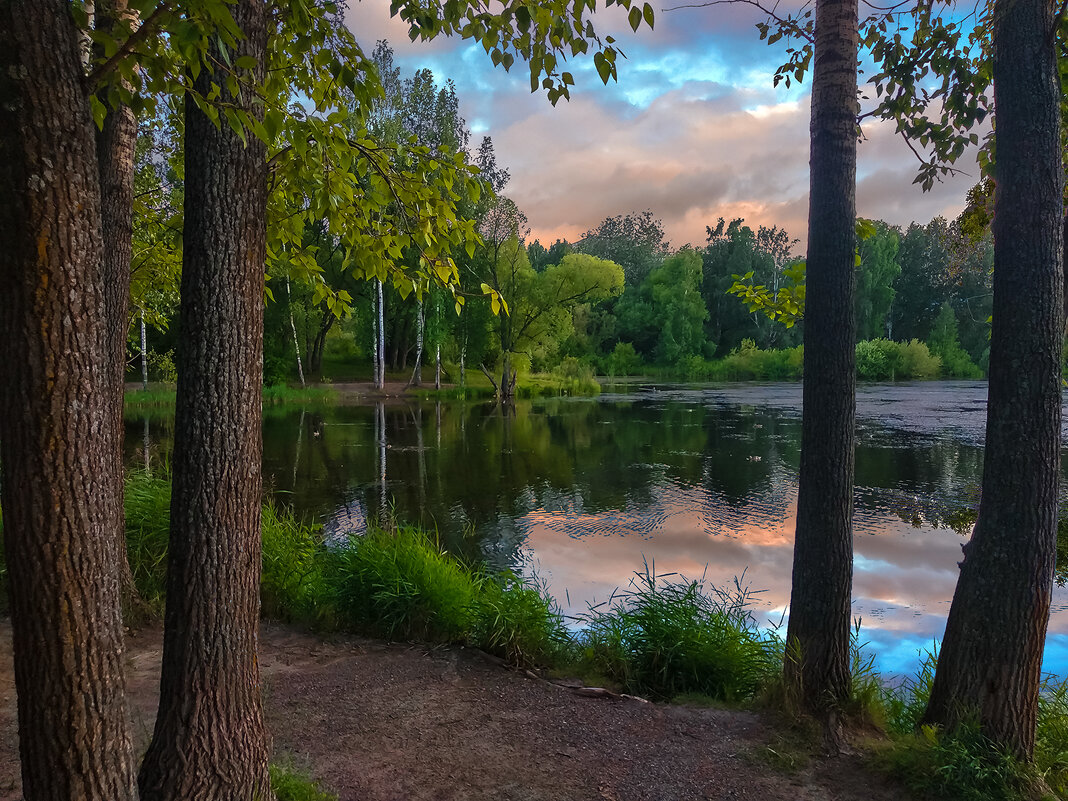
[377, 722]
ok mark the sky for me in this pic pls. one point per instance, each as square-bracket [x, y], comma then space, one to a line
[692, 131]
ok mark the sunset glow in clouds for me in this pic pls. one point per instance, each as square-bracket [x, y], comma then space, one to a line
[693, 130]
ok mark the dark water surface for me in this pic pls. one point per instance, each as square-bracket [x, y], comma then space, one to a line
[696, 480]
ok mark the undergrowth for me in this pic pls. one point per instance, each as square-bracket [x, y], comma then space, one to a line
[292, 784]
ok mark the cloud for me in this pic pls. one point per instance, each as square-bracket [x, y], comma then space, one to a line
[693, 131]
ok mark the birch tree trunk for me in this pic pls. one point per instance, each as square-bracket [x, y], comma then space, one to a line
[296, 339]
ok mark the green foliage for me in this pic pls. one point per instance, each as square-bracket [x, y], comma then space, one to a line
[883, 360]
[623, 360]
[576, 377]
[876, 274]
[962, 766]
[666, 638]
[292, 784]
[785, 305]
[636, 242]
[749, 363]
[944, 342]
[675, 291]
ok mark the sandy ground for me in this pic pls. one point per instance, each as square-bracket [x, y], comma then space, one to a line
[379, 722]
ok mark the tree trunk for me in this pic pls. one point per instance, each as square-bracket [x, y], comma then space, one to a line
[381, 338]
[144, 355]
[374, 340]
[817, 663]
[60, 498]
[296, 339]
[463, 360]
[209, 741]
[437, 368]
[990, 662]
[417, 372]
[315, 355]
[115, 144]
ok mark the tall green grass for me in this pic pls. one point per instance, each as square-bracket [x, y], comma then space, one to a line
[666, 638]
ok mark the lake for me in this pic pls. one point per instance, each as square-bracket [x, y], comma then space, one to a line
[693, 480]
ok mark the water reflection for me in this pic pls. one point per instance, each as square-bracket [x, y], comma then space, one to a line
[692, 480]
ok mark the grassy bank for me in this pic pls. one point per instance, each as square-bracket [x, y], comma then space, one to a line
[664, 638]
[162, 398]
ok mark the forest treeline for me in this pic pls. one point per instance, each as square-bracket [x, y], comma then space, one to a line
[618, 301]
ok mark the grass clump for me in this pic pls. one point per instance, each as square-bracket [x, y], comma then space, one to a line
[959, 766]
[663, 639]
[517, 621]
[291, 784]
[148, 514]
[401, 585]
[291, 581]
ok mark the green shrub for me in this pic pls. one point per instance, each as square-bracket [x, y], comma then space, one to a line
[749, 363]
[623, 360]
[885, 360]
[692, 368]
[879, 360]
[664, 639]
[576, 377]
[918, 362]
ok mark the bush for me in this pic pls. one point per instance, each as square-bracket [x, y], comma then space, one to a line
[885, 360]
[665, 639]
[749, 363]
[623, 360]
[576, 377]
[918, 362]
[879, 360]
[692, 368]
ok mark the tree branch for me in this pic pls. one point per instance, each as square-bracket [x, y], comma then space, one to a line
[143, 32]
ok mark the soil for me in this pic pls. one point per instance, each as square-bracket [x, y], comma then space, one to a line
[373, 721]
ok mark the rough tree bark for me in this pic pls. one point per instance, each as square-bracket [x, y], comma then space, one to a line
[57, 432]
[989, 667]
[115, 143]
[210, 742]
[817, 663]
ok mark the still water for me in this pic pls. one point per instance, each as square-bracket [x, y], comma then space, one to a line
[694, 480]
